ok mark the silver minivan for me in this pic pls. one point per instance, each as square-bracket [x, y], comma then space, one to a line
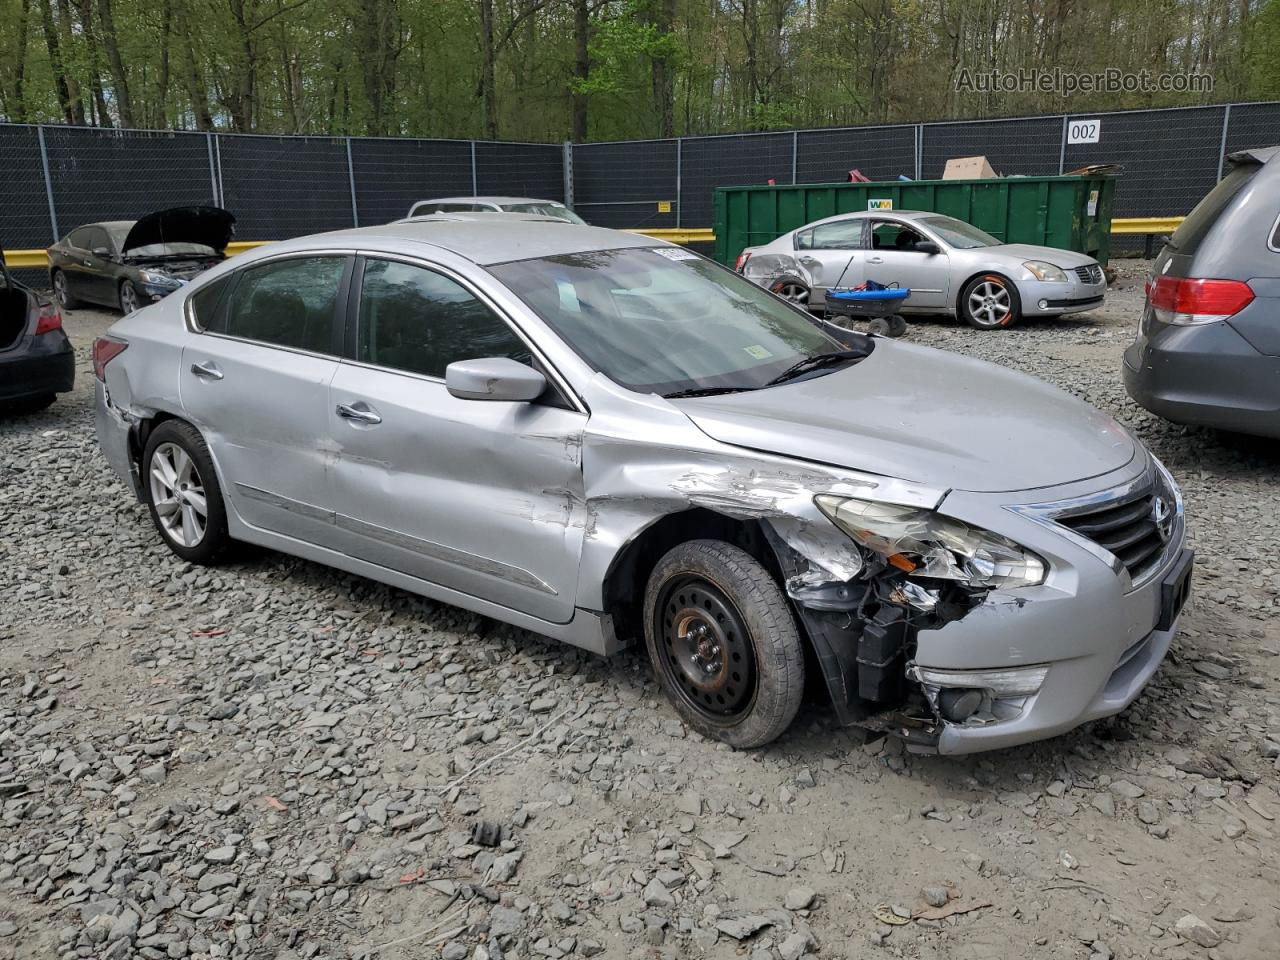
[607, 439]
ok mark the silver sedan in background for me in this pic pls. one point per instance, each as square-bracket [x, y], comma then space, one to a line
[604, 438]
[950, 266]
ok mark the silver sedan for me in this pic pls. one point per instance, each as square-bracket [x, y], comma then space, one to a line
[606, 439]
[950, 266]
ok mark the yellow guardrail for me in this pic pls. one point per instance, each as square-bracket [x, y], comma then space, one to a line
[1133, 226]
[1145, 226]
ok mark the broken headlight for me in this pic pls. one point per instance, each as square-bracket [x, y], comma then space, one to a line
[922, 543]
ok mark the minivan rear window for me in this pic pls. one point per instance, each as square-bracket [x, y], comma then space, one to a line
[1201, 220]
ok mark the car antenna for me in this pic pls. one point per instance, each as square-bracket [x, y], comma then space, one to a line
[836, 285]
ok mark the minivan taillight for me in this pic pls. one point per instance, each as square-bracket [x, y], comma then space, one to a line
[1186, 301]
[50, 319]
[105, 349]
[741, 264]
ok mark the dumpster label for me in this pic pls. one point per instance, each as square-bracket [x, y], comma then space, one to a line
[1092, 209]
[1084, 131]
[886, 204]
[664, 206]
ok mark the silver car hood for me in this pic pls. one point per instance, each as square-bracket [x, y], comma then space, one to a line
[926, 416]
[1029, 251]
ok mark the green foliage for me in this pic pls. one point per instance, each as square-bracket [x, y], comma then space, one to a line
[424, 68]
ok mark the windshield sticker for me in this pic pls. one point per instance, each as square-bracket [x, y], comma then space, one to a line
[675, 253]
[757, 351]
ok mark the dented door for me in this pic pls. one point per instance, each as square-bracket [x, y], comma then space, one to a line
[478, 496]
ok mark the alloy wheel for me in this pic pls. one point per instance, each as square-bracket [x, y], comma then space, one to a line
[178, 495]
[989, 303]
[60, 289]
[706, 649]
[128, 297]
[795, 292]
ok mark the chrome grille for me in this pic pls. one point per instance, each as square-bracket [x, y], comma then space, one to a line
[1125, 528]
[1089, 273]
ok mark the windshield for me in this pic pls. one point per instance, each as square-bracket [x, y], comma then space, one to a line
[665, 320]
[545, 210]
[958, 234]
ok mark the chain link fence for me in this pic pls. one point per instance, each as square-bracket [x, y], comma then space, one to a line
[57, 177]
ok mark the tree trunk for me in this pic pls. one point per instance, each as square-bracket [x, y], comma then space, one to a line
[488, 70]
[581, 68]
[161, 109]
[119, 77]
[197, 92]
[664, 15]
[17, 108]
[57, 38]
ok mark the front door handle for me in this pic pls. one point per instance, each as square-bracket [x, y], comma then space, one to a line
[875, 259]
[208, 370]
[359, 411]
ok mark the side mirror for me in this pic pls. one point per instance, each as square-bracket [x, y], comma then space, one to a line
[927, 246]
[102, 252]
[493, 378]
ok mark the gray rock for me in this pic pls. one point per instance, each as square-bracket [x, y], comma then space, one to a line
[795, 946]
[220, 854]
[935, 896]
[1130, 791]
[1104, 803]
[799, 898]
[1190, 927]
[657, 895]
[124, 928]
[503, 921]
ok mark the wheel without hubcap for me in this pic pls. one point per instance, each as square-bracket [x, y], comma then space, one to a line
[178, 496]
[705, 647]
[61, 292]
[723, 642]
[789, 288]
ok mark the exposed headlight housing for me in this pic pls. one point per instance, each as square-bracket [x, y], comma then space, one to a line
[1045, 271]
[160, 279]
[923, 543]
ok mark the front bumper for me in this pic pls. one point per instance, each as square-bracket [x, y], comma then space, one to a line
[1207, 375]
[1096, 633]
[47, 365]
[1040, 299]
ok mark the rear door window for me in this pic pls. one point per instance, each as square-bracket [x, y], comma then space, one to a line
[841, 235]
[287, 303]
[1188, 237]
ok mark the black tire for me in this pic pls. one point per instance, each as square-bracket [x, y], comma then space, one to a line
[897, 325]
[24, 406]
[128, 290]
[792, 289]
[62, 291]
[214, 543]
[991, 319]
[723, 643]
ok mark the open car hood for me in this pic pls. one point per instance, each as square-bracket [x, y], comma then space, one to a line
[210, 226]
[928, 416]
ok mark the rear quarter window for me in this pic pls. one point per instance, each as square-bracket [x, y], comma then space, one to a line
[1188, 237]
[206, 302]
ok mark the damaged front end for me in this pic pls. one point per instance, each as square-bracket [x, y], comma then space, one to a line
[919, 570]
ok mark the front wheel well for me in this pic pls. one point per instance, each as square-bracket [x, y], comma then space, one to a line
[624, 585]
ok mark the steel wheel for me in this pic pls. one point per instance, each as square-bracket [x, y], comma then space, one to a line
[178, 495]
[707, 649]
[128, 298]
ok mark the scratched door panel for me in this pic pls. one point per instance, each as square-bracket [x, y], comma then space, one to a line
[484, 497]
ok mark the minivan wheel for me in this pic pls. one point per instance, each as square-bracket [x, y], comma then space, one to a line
[183, 495]
[990, 302]
[724, 643]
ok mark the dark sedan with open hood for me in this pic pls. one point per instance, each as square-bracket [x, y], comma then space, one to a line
[130, 263]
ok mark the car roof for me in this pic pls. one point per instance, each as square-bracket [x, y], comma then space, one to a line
[487, 199]
[496, 238]
[864, 214]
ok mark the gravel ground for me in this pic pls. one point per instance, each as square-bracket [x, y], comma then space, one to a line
[274, 759]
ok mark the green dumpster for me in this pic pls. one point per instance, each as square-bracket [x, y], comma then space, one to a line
[1071, 212]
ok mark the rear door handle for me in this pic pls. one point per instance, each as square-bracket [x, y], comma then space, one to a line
[359, 411]
[875, 259]
[208, 370]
